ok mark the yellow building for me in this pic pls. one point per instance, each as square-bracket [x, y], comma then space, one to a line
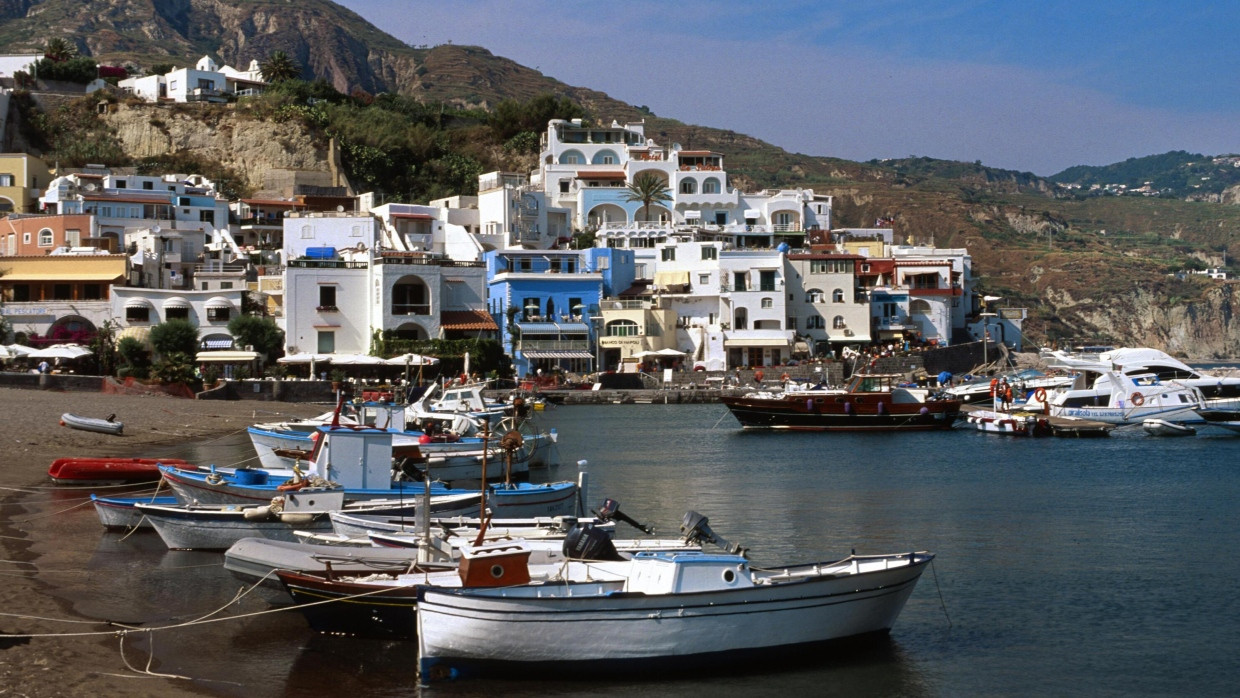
[22, 180]
[49, 295]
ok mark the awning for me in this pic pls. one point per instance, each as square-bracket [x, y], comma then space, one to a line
[138, 303]
[63, 276]
[671, 278]
[217, 343]
[553, 328]
[755, 342]
[217, 302]
[226, 356]
[176, 302]
[547, 354]
[142, 334]
[752, 213]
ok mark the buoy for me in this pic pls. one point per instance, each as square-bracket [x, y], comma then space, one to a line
[62, 422]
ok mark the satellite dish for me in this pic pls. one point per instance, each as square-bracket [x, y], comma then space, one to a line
[155, 229]
[339, 208]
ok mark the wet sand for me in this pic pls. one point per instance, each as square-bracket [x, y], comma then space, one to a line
[30, 439]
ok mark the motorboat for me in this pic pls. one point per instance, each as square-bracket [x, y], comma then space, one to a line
[870, 402]
[1018, 423]
[1024, 382]
[1222, 413]
[1092, 385]
[1131, 399]
[1163, 427]
[676, 610]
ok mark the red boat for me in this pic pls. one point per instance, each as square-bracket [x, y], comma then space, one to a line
[83, 471]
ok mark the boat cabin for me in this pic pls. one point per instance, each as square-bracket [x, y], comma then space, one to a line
[686, 571]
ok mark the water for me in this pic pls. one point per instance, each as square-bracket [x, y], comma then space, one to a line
[1066, 567]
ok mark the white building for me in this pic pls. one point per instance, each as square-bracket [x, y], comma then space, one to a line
[136, 310]
[205, 82]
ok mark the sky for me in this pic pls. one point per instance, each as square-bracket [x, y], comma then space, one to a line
[1028, 86]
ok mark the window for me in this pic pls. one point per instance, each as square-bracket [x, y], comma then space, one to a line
[355, 231]
[837, 296]
[814, 322]
[73, 237]
[207, 216]
[25, 238]
[6, 180]
[326, 342]
[703, 279]
[710, 186]
[838, 323]
[815, 296]
[218, 314]
[669, 254]
[45, 237]
[576, 307]
[148, 185]
[92, 292]
[768, 303]
[224, 285]
[142, 314]
[623, 328]
[563, 186]
[739, 282]
[176, 313]
[206, 286]
[327, 297]
[120, 184]
[307, 233]
[688, 186]
[710, 253]
[766, 281]
[819, 266]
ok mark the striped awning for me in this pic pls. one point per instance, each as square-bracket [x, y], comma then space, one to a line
[217, 344]
[548, 354]
[176, 302]
[218, 302]
[138, 303]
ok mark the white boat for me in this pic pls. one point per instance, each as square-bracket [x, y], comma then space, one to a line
[1163, 427]
[1131, 399]
[1013, 423]
[1222, 413]
[1024, 382]
[1093, 385]
[672, 610]
[103, 426]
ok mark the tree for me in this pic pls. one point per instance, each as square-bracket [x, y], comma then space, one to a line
[259, 332]
[175, 336]
[648, 188]
[280, 67]
[59, 49]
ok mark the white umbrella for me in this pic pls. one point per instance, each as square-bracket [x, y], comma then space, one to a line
[644, 354]
[303, 358]
[669, 352]
[355, 360]
[412, 360]
[61, 351]
[19, 349]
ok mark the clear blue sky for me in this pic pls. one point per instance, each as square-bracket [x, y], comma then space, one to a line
[1032, 86]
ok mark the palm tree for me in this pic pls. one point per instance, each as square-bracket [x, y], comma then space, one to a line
[279, 67]
[59, 49]
[648, 188]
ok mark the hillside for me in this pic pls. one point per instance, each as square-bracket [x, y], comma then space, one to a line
[1177, 174]
[1088, 268]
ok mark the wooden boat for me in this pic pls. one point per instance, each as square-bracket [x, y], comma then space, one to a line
[103, 426]
[661, 610]
[1011, 423]
[871, 402]
[1163, 427]
[122, 512]
[98, 471]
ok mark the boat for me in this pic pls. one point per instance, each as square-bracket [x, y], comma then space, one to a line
[1013, 423]
[1025, 381]
[103, 426]
[1131, 399]
[122, 512]
[1225, 414]
[1163, 427]
[871, 402]
[678, 611]
[108, 471]
[217, 527]
[1093, 383]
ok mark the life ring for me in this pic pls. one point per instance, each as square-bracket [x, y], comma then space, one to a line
[1040, 395]
[784, 378]
[1138, 399]
[292, 486]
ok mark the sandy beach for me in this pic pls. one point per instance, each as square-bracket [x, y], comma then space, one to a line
[31, 438]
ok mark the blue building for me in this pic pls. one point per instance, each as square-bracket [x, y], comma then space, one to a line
[546, 303]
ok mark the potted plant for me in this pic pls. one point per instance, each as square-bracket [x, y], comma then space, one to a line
[338, 379]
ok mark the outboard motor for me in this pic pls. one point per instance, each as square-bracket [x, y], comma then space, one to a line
[697, 532]
[611, 510]
[586, 542]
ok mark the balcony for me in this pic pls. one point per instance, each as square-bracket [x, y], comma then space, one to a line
[554, 345]
[411, 309]
[325, 264]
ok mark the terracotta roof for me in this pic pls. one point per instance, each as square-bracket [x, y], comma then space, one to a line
[414, 216]
[696, 153]
[467, 320]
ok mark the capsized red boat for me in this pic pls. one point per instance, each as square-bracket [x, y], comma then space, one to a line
[82, 471]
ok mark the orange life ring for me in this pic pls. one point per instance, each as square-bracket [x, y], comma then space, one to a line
[1040, 395]
[1138, 399]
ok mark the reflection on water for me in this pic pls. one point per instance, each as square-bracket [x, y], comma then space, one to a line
[1065, 566]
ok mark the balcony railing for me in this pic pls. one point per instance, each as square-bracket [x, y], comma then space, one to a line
[411, 308]
[325, 264]
[553, 345]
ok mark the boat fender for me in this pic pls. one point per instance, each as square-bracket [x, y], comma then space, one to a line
[809, 404]
[257, 513]
[848, 408]
[882, 408]
[1040, 395]
[924, 410]
[296, 519]
[62, 422]
[1138, 399]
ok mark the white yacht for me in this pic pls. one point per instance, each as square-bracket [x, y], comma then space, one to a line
[1092, 386]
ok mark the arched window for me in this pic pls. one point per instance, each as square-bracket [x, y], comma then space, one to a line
[45, 237]
[410, 297]
[768, 303]
[919, 307]
[622, 328]
[572, 157]
[741, 319]
[837, 296]
[711, 185]
[838, 323]
[688, 186]
[815, 295]
[605, 157]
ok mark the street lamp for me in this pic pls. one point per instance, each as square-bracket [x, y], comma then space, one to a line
[986, 335]
[595, 323]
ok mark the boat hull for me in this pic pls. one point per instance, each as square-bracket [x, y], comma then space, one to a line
[101, 471]
[102, 426]
[347, 608]
[121, 512]
[991, 422]
[842, 412]
[462, 632]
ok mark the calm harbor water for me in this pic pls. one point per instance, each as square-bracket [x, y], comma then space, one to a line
[1065, 567]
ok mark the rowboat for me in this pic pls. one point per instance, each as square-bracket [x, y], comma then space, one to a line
[103, 426]
[100, 471]
[122, 512]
